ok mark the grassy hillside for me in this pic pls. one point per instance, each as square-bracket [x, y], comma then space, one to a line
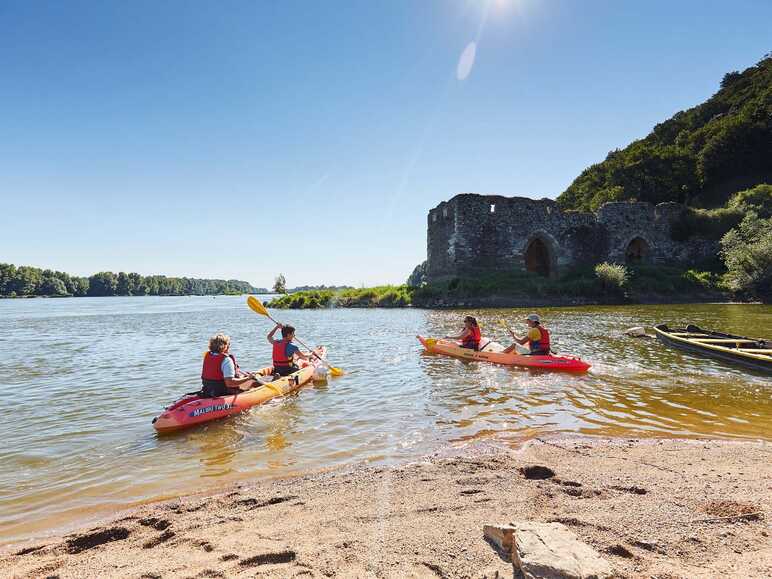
[698, 157]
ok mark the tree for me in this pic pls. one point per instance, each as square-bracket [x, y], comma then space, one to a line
[747, 253]
[280, 285]
[27, 281]
[122, 287]
[52, 286]
[104, 283]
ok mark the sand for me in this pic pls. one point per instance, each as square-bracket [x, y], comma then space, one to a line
[652, 508]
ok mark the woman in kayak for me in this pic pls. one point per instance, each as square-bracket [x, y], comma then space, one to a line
[284, 351]
[538, 338]
[470, 336]
[221, 374]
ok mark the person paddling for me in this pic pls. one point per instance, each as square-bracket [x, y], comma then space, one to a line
[538, 337]
[284, 351]
[221, 374]
[470, 337]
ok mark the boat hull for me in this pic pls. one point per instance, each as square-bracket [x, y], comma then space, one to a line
[551, 362]
[718, 345]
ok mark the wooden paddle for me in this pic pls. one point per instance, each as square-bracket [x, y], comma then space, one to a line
[255, 305]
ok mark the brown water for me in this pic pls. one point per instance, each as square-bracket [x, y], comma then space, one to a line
[82, 379]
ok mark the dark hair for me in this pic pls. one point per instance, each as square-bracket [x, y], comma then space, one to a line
[471, 319]
[287, 331]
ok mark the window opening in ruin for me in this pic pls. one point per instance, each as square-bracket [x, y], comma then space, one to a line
[444, 211]
[493, 208]
[637, 251]
[537, 258]
[434, 217]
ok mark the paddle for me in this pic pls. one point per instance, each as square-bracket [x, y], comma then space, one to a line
[519, 348]
[255, 305]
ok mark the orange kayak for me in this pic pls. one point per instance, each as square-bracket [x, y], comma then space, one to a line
[192, 410]
[494, 352]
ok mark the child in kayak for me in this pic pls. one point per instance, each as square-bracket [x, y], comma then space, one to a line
[284, 351]
[470, 336]
[538, 338]
[221, 374]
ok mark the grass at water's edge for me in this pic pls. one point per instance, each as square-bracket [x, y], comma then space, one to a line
[643, 283]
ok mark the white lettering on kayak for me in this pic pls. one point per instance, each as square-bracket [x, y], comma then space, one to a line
[213, 408]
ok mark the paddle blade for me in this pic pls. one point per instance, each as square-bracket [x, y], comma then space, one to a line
[336, 371]
[431, 342]
[255, 305]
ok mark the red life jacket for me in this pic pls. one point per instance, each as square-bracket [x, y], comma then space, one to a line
[212, 369]
[474, 338]
[543, 344]
[280, 357]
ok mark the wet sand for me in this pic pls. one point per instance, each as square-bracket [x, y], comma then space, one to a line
[652, 508]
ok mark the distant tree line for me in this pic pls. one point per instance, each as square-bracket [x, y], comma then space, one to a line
[32, 281]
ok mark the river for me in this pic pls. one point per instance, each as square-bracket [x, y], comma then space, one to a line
[82, 379]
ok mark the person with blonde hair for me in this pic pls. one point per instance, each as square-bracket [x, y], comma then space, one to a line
[221, 374]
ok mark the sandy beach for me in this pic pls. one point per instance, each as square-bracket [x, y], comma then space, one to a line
[652, 508]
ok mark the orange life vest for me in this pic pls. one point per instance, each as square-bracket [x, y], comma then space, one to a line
[473, 340]
[212, 369]
[280, 357]
[543, 343]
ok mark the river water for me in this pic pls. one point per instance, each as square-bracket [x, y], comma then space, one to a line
[81, 380]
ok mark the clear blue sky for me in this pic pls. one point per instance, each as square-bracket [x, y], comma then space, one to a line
[243, 139]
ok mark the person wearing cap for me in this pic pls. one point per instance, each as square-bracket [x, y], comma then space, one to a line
[538, 337]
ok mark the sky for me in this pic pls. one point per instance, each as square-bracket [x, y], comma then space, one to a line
[243, 139]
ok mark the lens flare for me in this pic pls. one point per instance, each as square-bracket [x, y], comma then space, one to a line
[466, 61]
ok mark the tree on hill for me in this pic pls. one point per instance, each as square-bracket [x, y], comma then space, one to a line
[697, 157]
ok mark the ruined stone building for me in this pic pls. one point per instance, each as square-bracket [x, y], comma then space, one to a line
[476, 234]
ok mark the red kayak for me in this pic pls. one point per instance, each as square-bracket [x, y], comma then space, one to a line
[493, 352]
[192, 410]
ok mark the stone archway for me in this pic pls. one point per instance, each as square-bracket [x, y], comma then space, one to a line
[637, 251]
[537, 258]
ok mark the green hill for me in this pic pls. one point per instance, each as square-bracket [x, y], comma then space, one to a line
[698, 157]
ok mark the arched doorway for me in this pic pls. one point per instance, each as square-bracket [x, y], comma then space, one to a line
[537, 258]
[637, 251]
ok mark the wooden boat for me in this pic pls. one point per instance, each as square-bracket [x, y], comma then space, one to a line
[753, 353]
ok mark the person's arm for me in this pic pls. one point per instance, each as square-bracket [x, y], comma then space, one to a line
[293, 350]
[461, 336]
[518, 339]
[239, 382]
[230, 378]
[272, 332]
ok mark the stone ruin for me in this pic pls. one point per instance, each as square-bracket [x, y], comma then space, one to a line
[477, 234]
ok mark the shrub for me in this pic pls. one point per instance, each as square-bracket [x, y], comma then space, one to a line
[758, 199]
[613, 277]
[747, 252]
[705, 223]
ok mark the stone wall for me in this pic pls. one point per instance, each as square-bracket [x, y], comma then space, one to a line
[472, 234]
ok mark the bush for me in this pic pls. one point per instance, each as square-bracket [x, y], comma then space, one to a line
[705, 223]
[613, 277]
[381, 296]
[758, 199]
[747, 252]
